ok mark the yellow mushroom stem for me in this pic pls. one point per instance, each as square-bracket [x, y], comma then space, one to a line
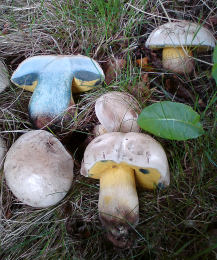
[177, 59]
[118, 203]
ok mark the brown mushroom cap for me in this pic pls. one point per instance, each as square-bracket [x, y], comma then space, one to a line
[38, 169]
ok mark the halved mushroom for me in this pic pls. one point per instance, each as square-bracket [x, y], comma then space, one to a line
[53, 79]
[38, 169]
[4, 79]
[116, 112]
[177, 39]
[120, 160]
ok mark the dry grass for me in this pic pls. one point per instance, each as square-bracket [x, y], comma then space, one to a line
[177, 223]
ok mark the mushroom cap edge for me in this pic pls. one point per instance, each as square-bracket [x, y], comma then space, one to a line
[181, 33]
[146, 157]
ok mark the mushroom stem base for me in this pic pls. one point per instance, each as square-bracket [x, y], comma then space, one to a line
[118, 203]
[177, 59]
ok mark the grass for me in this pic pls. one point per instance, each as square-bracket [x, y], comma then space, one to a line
[177, 223]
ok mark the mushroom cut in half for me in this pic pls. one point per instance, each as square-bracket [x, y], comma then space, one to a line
[53, 79]
[177, 39]
[121, 161]
[38, 169]
[116, 112]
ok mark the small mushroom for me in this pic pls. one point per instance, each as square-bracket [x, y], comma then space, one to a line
[120, 160]
[4, 79]
[177, 39]
[3, 150]
[38, 169]
[116, 112]
[53, 79]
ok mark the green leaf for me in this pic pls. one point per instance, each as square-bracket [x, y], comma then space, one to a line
[171, 120]
[215, 55]
[214, 72]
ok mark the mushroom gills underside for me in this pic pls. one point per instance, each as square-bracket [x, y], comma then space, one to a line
[26, 82]
[79, 85]
[198, 48]
[148, 178]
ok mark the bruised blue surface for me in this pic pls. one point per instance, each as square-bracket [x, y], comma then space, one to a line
[145, 171]
[83, 68]
[28, 70]
[161, 186]
[53, 99]
[54, 76]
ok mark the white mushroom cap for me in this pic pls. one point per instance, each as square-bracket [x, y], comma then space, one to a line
[138, 150]
[117, 111]
[38, 169]
[3, 150]
[98, 130]
[4, 79]
[183, 33]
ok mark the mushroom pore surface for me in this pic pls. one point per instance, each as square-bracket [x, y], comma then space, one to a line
[137, 150]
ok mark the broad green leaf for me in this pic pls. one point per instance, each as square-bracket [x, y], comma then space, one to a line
[171, 120]
[214, 72]
[215, 55]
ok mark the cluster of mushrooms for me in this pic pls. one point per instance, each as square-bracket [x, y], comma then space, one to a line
[39, 170]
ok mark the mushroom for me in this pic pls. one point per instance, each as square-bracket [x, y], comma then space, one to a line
[3, 150]
[52, 79]
[4, 79]
[116, 112]
[38, 170]
[177, 40]
[120, 160]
